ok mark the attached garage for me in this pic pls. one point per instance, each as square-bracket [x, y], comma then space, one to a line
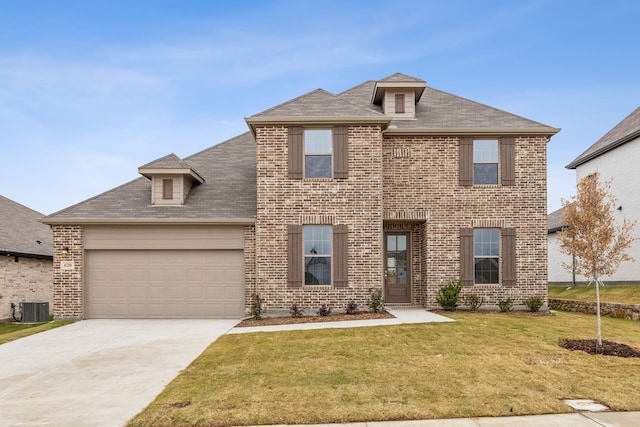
[164, 272]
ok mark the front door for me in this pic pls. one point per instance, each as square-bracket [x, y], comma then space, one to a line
[397, 267]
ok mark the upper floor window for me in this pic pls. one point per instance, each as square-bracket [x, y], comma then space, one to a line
[317, 153]
[485, 161]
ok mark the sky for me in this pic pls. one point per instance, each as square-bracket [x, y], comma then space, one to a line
[91, 90]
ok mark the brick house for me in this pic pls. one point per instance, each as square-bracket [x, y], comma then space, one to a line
[389, 185]
[26, 257]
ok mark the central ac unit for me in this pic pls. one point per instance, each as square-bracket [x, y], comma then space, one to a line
[34, 312]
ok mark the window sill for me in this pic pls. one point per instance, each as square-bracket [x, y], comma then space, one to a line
[318, 179]
[317, 287]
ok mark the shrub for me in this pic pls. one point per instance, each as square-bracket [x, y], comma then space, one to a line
[534, 303]
[506, 305]
[376, 303]
[352, 307]
[295, 311]
[473, 301]
[325, 310]
[448, 294]
[257, 307]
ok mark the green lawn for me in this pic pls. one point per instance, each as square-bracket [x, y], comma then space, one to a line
[482, 365]
[13, 331]
[621, 294]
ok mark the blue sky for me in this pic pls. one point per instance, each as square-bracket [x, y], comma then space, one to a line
[91, 90]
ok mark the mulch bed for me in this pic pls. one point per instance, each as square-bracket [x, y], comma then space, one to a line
[608, 348]
[338, 317]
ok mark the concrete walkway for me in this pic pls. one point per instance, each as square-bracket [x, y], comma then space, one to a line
[97, 372]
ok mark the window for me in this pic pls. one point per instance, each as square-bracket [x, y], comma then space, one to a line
[317, 254]
[400, 103]
[317, 153]
[485, 161]
[167, 189]
[486, 255]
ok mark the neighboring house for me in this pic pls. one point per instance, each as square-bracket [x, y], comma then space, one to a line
[389, 185]
[614, 157]
[26, 257]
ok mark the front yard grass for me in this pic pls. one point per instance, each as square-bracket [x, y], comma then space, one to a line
[13, 331]
[481, 365]
[629, 294]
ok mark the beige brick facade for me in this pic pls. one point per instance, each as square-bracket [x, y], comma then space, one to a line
[24, 280]
[355, 202]
[68, 291]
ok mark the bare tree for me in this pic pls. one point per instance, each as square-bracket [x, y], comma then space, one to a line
[592, 236]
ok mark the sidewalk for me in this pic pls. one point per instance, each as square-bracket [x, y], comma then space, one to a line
[420, 315]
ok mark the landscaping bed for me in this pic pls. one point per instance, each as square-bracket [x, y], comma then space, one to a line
[337, 317]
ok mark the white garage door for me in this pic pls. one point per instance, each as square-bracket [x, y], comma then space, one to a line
[164, 283]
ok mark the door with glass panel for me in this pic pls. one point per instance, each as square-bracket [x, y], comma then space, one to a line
[397, 268]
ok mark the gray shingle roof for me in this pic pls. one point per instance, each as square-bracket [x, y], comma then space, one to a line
[229, 191]
[440, 110]
[555, 221]
[623, 132]
[170, 161]
[399, 77]
[20, 231]
[319, 103]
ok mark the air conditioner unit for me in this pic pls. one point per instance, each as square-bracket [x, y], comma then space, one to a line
[34, 312]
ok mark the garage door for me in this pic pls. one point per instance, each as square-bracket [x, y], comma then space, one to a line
[164, 283]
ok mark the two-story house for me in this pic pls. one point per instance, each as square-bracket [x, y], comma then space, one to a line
[389, 185]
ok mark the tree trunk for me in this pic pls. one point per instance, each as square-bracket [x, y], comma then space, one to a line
[599, 341]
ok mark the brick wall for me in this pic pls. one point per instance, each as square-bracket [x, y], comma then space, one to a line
[67, 288]
[27, 280]
[421, 173]
[249, 265]
[355, 202]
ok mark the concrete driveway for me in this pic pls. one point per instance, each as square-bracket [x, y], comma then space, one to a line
[97, 372]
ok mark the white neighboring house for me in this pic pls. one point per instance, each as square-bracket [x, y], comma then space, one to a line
[614, 157]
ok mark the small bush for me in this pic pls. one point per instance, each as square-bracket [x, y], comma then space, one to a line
[324, 310]
[352, 307]
[506, 305]
[448, 294]
[473, 301]
[257, 307]
[376, 304]
[295, 311]
[534, 303]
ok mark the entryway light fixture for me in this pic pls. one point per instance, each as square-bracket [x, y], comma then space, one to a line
[65, 250]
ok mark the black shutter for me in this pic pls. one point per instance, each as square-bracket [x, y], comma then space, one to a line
[296, 152]
[508, 256]
[340, 152]
[467, 270]
[294, 251]
[508, 160]
[340, 256]
[466, 161]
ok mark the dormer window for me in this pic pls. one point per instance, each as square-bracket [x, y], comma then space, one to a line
[400, 103]
[167, 189]
[171, 180]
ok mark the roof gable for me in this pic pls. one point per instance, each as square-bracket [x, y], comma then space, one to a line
[399, 77]
[623, 132]
[20, 231]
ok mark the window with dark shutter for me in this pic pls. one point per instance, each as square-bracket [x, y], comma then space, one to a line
[294, 251]
[466, 256]
[508, 160]
[466, 161]
[167, 189]
[340, 256]
[399, 102]
[340, 152]
[296, 152]
[509, 256]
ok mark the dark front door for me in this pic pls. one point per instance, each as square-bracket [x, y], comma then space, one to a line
[397, 267]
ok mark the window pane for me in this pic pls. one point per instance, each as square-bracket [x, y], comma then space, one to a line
[485, 173]
[317, 166]
[391, 243]
[317, 270]
[317, 141]
[485, 150]
[317, 240]
[402, 243]
[486, 242]
[486, 270]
